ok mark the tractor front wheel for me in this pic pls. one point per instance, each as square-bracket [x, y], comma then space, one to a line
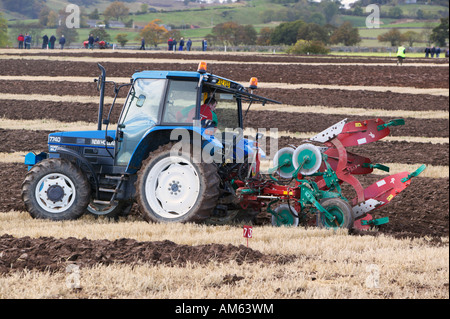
[56, 189]
[172, 187]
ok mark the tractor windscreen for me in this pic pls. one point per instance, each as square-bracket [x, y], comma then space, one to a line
[140, 113]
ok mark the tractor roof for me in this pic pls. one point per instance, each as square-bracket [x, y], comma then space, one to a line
[220, 84]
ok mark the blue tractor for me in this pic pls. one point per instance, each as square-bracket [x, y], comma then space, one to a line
[161, 155]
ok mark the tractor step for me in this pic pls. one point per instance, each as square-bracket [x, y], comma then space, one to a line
[102, 202]
[109, 190]
[116, 177]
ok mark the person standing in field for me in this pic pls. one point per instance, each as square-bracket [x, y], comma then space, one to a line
[142, 44]
[27, 41]
[62, 42]
[189, 44]
[44, 42]
[401, 54]
[204, 45]
[170, 44]
[21, 40]
[181, 47]
[52, 42]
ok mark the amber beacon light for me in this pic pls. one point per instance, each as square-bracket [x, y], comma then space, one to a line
[253, 83]
[202, 66]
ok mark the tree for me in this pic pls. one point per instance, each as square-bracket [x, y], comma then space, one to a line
[313, 31]
[52, 19]
[3, 31]
[232, 33]
[264, 36]
[286, 33]
[116, 10]
[412, 37]
[94, 15]
[43, 15]
[122, 38]
[439, 35]
[330, 9]
[394, 37]
[346, 34]
[227, 33]
[153, 33]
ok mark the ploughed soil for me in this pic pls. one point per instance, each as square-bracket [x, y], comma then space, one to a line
[367, 75]
[299, 97]
[53, 254]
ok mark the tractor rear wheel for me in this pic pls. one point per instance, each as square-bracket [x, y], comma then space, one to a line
[56, 189]
[172, 187]
[340, 210]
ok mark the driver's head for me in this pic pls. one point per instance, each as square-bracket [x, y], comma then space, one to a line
[212, 103]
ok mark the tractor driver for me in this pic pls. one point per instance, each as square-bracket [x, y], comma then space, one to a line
[207, 112]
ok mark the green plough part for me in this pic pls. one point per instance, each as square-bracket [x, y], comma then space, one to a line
[396, 122]
[377, 166]
[375, 222]
[414, 174]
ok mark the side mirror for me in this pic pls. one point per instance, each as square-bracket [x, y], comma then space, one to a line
[141, 100]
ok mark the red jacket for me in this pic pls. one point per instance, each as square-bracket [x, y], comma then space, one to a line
[20, 38]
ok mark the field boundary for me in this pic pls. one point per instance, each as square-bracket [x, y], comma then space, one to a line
[183, 61]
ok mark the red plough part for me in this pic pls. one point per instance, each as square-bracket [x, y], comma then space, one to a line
[328, 166]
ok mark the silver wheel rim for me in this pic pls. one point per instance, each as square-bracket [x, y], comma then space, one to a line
[55, 183]
[172, 187]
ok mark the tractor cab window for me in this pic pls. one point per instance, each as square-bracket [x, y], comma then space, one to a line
[227, 112]
[180, 102]
[140, 114]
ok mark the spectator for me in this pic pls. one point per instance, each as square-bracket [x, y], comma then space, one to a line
[62, 41]
[189, 44]
[438, 52]
[433, 51]
[181, 47]
[27, 41]
[175, 45]
[204, 45]
[401, 54]
[45, 42]
[142, 44]
[447, 53]
[427, 52]
[91, 41]
[52, 42]
[170, 44]
[21, 40]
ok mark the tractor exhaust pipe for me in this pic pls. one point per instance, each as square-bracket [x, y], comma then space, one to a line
[101, 88]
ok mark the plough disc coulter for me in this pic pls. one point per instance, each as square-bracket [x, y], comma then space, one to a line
[307, 180]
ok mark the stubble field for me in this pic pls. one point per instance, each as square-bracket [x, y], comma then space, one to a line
[41, 92]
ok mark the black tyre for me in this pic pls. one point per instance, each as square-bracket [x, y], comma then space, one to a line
[56, 189]
[340, 209]
[172, 187]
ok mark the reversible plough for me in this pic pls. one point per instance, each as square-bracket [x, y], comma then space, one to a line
[308, 179]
